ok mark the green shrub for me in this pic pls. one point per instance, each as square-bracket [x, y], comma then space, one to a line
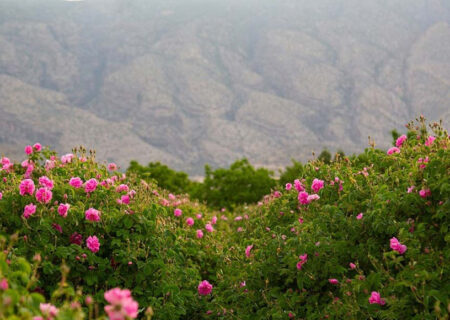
[240, 184]
[289, 256]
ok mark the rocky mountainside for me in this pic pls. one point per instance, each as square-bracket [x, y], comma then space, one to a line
[193, 81]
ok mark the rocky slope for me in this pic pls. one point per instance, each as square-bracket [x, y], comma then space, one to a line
[189, 82]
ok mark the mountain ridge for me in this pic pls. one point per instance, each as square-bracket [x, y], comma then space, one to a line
[195, 82]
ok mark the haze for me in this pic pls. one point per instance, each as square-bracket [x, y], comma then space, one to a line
[195, 82]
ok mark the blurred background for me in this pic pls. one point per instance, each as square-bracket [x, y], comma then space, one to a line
[190, 82]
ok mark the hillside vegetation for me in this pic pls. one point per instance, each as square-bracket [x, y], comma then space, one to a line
[363, 237]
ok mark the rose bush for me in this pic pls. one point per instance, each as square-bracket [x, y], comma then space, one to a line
[363, 237]
[367, 248]
[111, 231]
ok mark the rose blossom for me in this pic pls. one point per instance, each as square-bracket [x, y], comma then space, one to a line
[93, 244]
[317, 185]
[92, 214]
[76, 238]
[400, 140]
[37, 146]
[209, 227]
[90, 185]
[26, 187]
[76, 182]
[112, 166]
[28, 150]
[247, 251]
[48, 310]
[375, 298]
[43, 195]
[204, 288]
[46, 182]
[177, 212]
[429, 141]
[62, 209]
[393, 150]
[29, 210]
[397, 246]
[122, 306]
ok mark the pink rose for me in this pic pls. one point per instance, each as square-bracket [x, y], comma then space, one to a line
[204, 288]
[333, 281]
[29, 210]
[429, 141]
[92, 214]
[90, 185]
[93, 244]
[288, 186]
[43, 195]
[303, 197]
[393, 150]
[312, 197]
[122, 306]
[425, 193]
[67, 158]
[28, 150]
[48, 310]
[199, 234]
[298, 185]
[190, 222]
[125, 199]
[303, 259]
[46, 182]
[76, 182]
[63, 209]
[375, 298]
[49, 164]
[4, 284]
[317, 185]
[400, 140]
[209, 227]
[37, 146]
[397, 246]
[122, 188]
[26, 187]
[247, 251]
[177, 212]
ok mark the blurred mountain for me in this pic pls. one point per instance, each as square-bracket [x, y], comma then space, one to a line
[189, 82]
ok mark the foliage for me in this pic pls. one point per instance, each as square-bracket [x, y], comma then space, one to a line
[141, 247]
[291, 173]
[364, 204]
[240, 184]
[19, 296]
[325, 156]
[221, 188]
[165, 177]
[375, 223]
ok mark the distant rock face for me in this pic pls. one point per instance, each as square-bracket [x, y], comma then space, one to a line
[195, 81]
